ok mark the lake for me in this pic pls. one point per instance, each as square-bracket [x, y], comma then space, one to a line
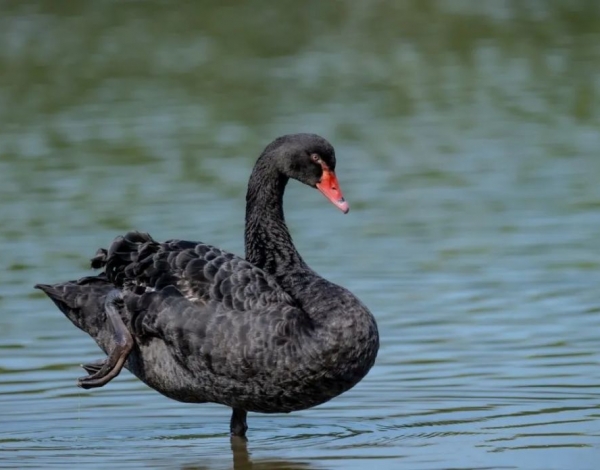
[467, 137]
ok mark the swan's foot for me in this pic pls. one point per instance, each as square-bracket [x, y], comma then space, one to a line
[93, 367]
[238, 426]
[102, 372]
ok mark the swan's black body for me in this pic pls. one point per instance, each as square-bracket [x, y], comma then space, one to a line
[264, 334]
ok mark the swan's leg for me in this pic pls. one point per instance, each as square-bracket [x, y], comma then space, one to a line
[238, 426]
[112, 365]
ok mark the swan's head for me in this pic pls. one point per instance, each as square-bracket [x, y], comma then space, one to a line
[310, 159]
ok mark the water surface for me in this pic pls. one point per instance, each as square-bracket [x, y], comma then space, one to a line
[467, 140]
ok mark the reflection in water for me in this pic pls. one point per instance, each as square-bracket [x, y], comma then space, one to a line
[239, 449]
[466, 136]
[243, 461]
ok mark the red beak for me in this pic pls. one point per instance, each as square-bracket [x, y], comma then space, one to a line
[330, 187]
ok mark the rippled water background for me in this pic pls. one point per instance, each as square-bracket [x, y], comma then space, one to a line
[467, 136]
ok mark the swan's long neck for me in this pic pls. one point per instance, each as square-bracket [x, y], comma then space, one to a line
[269, 245]
[268, 241]
[340, 319]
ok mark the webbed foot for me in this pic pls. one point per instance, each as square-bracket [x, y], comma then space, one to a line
[93, 367]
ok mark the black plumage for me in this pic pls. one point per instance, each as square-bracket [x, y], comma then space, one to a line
[198, 324]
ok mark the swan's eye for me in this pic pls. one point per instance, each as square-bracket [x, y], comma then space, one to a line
[315, 158]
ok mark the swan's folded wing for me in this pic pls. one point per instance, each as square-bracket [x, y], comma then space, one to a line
[219, 314]
[213, 340]
[201, 272]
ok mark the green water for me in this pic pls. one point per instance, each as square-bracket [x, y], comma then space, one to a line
[467, 136]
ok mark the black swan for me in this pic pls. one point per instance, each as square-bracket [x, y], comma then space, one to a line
[198, 324]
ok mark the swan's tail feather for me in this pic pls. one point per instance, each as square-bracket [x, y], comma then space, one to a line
[81, 301]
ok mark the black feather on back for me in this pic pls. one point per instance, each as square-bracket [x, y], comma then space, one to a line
[201, 272]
